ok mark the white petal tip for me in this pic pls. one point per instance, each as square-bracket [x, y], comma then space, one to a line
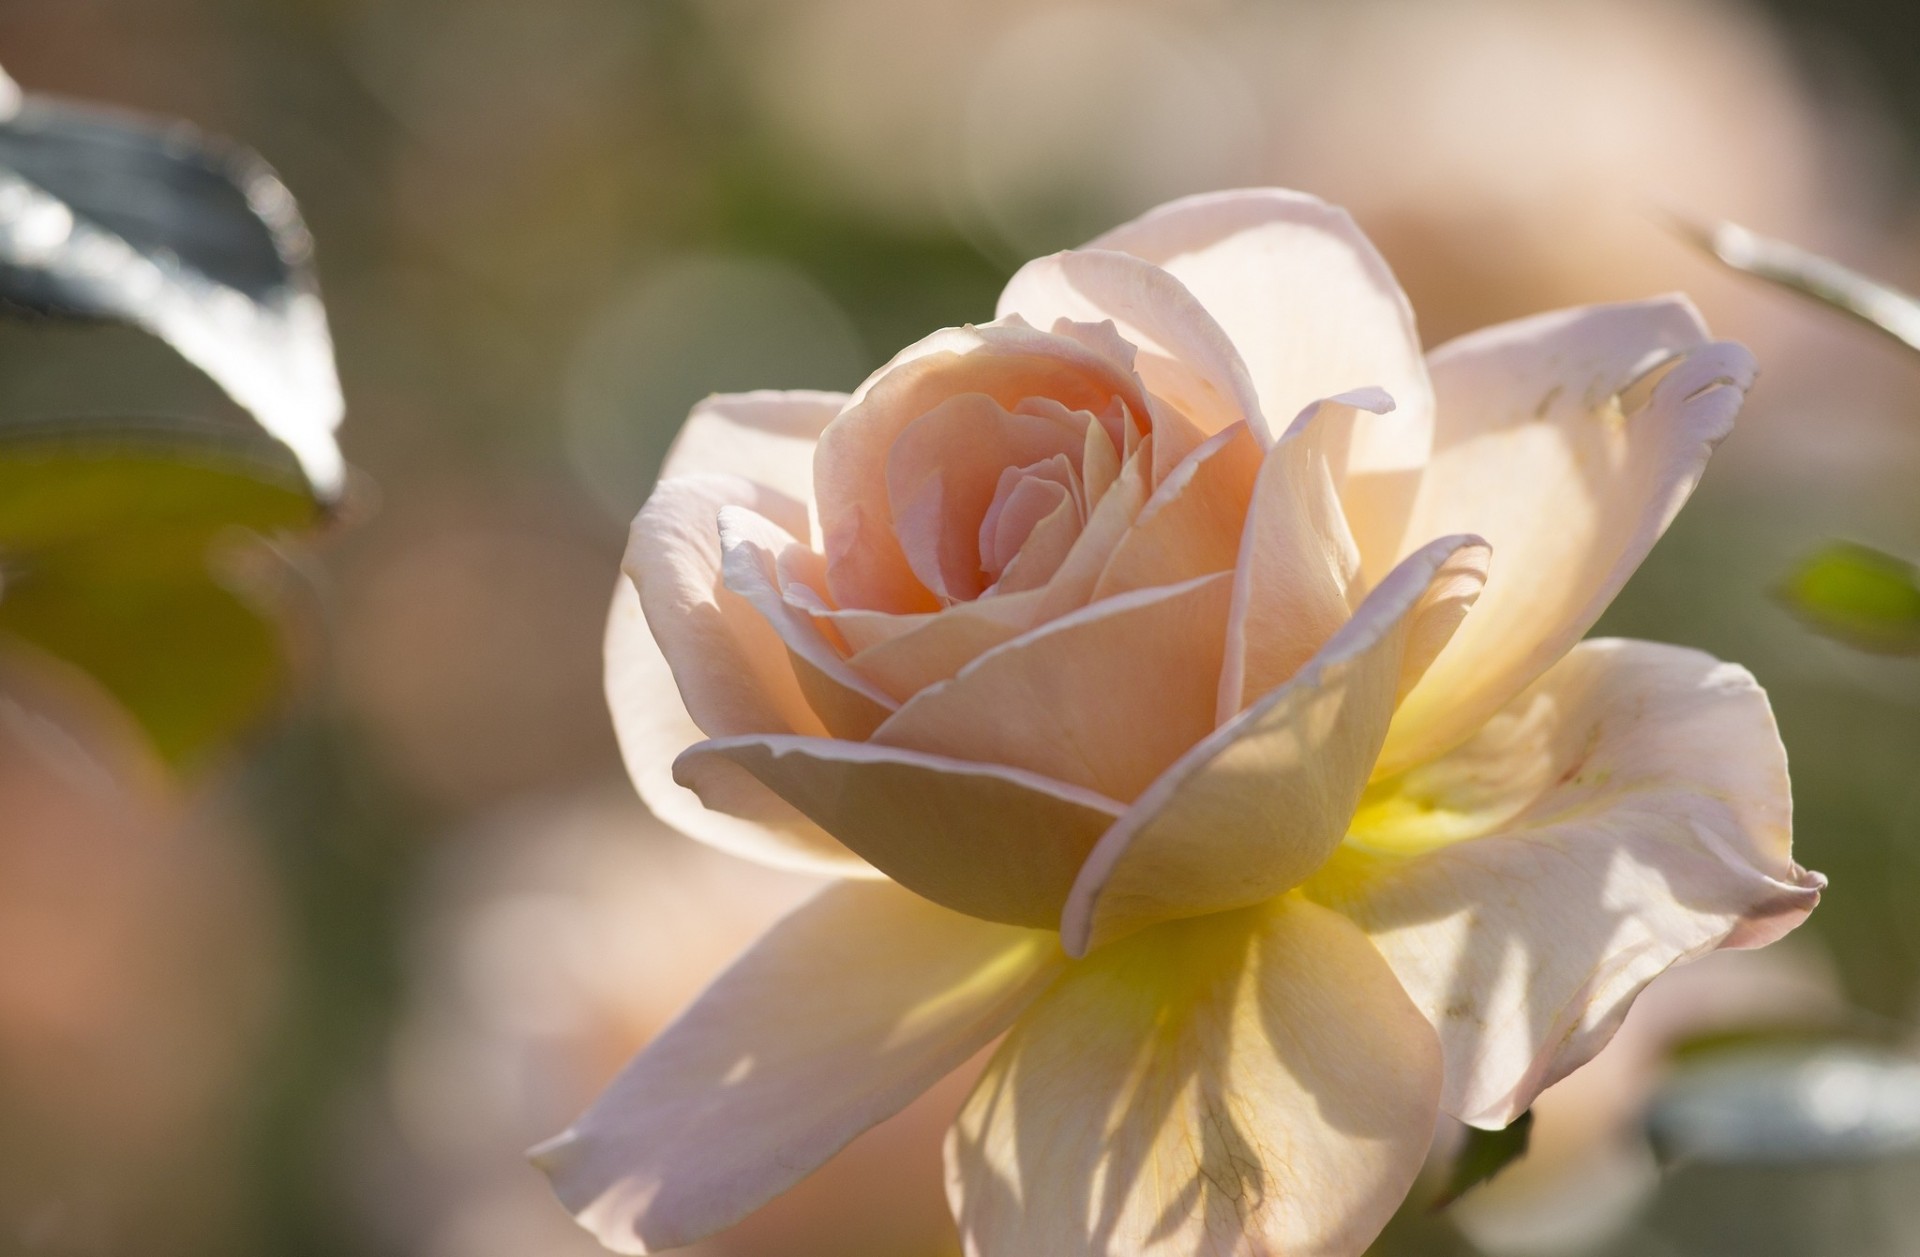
[550, 1156]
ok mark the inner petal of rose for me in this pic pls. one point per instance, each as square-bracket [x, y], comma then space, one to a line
[985, 498]
[1047, 492]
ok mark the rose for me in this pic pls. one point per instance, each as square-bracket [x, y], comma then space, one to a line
[1142, 614]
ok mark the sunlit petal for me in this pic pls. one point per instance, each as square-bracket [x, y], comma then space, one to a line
[856, 1003]
[1256, 806]
[1308, 302]
[1569, 441]
[1253, 1082]
[1628, 811]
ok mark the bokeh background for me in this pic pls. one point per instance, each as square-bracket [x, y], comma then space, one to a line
[316, 1000]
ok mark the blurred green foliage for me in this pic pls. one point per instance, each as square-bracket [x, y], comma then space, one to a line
[1483, 1154]
[111, 536]
[1858, 595]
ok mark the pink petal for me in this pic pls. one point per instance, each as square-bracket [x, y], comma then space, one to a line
[1184, 357]
[942, 474]
[1259, 804]
[1044, 550]
[1191, 525]
[1104, 698]
[1569, 441]
[1007, 362]
[1307, 300]
[1254, 1082]
[702, 659]
[1295, 564]
[1628, 811]
[754, 549]
[839, 1016]
[990, 841]
[905, 654]
[766, 437]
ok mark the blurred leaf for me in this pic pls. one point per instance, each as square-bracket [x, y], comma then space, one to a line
[1859, 595]
[110, 536]
[195, 239]
[1483, 1154]
[1880, 307]
[1788, 1106]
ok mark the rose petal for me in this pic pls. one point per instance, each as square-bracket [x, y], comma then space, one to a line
[943, 472]
[729, 672]
[1307, 300]
[1023, 498]
[765, 436]
[1007, 362]
[1103, 698]
[754, 548]
[1569, 441]
[990, 841]
[1295, 563]
[1629, 811]
[844, 1012]
[927, 648]
[1045, 548]
[1259, 804]
[1191, 524]
[1249, 1083]
[905, 654]
[1184, 356]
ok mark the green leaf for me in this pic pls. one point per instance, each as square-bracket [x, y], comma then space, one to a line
[149, 222]
[1483, 1154]
[1858, 595]
[111, 536]
[1879, 306]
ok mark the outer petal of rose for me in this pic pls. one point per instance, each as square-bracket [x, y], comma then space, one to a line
[1008, 362]
[1104, 698]
[1185, 357]
[766, 436]
[1253, 1082]
[729, 673]
[993, 842]
[1296, 563]
[1629, 811]
[1256, 806]
[846, 1010]
[1309, 302]
[753, 547]
[1569, 441]
[1191, 524]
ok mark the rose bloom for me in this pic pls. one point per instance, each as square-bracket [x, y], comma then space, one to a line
[1185, 676]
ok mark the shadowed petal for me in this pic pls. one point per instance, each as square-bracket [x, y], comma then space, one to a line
[994, 842]
[1569, 441]
[1253, 1082]
[1256, 806]
[754, 548]
[838, 1017]
[1628, 811]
